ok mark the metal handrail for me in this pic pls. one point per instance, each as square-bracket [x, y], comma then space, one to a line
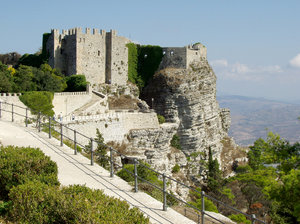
[137, 162]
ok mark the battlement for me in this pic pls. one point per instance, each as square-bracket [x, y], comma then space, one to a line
[70, 93]
[79, 30]
[10, 94]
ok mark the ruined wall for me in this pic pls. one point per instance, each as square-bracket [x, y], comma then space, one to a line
[173, 57]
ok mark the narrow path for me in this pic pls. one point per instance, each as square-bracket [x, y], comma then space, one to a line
[76, 169]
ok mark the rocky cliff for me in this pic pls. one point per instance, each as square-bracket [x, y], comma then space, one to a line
[187, 97]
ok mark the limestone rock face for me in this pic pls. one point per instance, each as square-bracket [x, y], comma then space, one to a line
[187, 97]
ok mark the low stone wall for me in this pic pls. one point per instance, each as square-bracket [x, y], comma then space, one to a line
[67, 102]
[18, 107]
[113, 126]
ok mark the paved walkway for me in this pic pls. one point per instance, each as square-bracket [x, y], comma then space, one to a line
[76, 169]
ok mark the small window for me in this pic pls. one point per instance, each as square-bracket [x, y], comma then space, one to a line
[98, 53]
[196, 53]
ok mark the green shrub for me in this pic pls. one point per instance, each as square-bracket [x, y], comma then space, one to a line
[197, 202]
[175, 142]
[35, 202]
[142, 172]
[38, 102]
[243, 169]
[176, 169]
[76, 83]
[239, 218]
[20, 164]
[161, 119]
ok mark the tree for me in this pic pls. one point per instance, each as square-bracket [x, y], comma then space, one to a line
[6, 79]
[214, 178]
[48, 79]
[100, 151]
[286, 196]
[23, 79]
[38, 102]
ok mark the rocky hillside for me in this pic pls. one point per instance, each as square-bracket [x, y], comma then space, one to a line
[187, 97]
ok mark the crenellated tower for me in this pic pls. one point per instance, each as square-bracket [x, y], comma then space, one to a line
[101, 56]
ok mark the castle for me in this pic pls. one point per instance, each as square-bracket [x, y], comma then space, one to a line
[103, 56]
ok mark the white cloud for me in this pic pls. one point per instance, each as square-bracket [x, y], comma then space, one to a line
[239, 71]
[219, 63]
[240, 68]
[295, 62]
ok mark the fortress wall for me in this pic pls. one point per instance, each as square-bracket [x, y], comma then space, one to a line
[119, 59]
[68, 49]
[174, 57]
[113, 126]
[66, 103]
[91, 55]
[140, 121]
[12, 98]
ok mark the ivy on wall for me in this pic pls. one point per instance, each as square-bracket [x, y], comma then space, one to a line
[143, 61]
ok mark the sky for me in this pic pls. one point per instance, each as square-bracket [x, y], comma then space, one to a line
[253, 46]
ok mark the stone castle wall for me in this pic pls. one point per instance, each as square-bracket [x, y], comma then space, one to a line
[113, 126]
[101, 57]
[182, 57]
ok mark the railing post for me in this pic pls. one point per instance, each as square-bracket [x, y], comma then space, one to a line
[61, 135]
[202, 207]
[49, 127]
[26, 118]
[12, 112]
[0, 109]
[75, 143]
[164, 193]
[39, 120]
[253, 219]
[111, 163]
[92, 156]
[135, 176]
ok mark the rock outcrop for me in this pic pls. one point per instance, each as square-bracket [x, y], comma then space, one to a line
[187, 97]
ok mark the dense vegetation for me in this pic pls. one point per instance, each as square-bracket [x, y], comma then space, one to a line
[143, 61]
[30, 193]
[268, 187]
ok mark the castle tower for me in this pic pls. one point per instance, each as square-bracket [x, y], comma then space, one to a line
[102, 57]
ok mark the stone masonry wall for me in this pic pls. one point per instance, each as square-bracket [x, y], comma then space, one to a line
[65, 103]
[119, 59]
[113, 126]
[91, 55]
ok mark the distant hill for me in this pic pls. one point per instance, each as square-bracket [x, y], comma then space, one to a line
[250, 117]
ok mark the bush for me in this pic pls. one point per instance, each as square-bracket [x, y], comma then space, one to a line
[161, 119]
[239, 218]
[76, 83]
[39, 102]
[243, 169]
[20, 164]
[35, 202]
[176, 169]
[175, 142]
[196, 201]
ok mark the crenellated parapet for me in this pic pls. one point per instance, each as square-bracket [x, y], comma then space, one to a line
[101, 56]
